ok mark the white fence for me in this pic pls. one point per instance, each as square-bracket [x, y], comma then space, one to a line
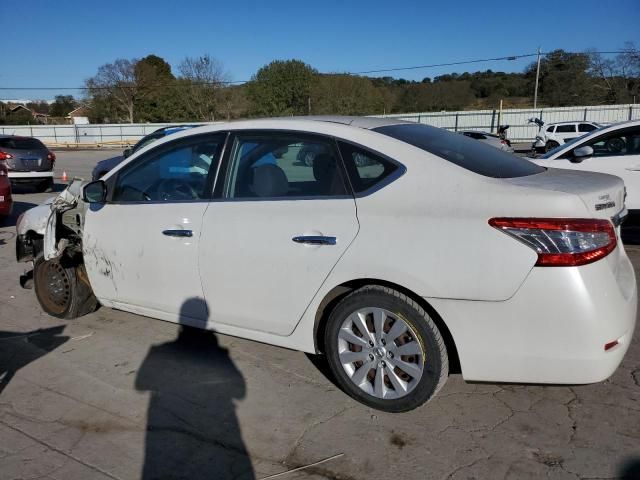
[485, 120]
[519, 129]
[98, 134]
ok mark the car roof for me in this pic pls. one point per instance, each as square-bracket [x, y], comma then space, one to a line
[368, 123]
[570, 121]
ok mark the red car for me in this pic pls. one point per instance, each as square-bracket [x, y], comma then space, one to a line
[6, 203]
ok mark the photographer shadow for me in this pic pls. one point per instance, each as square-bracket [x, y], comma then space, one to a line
[192, 428]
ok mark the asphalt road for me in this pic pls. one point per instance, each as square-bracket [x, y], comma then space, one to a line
[118, 396]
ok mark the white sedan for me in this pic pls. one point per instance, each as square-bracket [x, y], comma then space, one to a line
[438, 247]
[614, 149]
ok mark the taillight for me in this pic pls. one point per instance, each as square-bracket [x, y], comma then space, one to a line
[561, 242]
[5, 155]
[51, 156]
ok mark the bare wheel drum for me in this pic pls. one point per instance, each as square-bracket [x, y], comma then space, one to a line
[381, 353]
[57, 294]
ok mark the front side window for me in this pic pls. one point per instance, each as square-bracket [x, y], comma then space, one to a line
[551, 128]
[566, 128]
[174, 172]
[619, 142]
[276, 165]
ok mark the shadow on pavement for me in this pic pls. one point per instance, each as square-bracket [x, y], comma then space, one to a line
[630, 469]
[19, 189]
[192, 428]
[18, 349]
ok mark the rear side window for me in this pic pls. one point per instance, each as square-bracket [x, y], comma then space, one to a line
[565, 128]
[21, 143]
[586, 127]
[366, 169]
[281, 164]
[467, 153]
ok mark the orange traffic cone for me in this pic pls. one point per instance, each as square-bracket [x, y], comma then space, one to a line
[64, 176]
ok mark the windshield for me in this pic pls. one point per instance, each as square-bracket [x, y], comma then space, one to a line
[465, 152]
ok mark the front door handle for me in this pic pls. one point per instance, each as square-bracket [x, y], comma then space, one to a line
[178, 233]
[315, 240]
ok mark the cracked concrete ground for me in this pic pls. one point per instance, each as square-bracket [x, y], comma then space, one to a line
[118, 396]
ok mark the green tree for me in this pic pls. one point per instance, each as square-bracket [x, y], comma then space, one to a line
[564, 79]
[114, 89]
[345, 95]
[155, 84]
[281, 88]
[62, 105]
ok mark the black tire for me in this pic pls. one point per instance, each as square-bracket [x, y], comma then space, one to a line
[435, 368]
[62, 290]
[45, 186]
[551, 145]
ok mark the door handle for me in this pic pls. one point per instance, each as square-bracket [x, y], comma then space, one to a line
[178, 233]
[315, 240]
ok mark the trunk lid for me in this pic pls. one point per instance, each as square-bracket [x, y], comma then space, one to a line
[603, 195]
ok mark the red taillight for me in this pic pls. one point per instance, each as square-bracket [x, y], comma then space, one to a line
[5, 155]
[610, 345]
[51, 156]
[561, 242]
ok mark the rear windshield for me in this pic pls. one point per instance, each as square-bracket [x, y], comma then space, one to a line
[465, 152]
[21, 143]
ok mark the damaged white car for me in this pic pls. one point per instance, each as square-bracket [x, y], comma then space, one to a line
[436, 249]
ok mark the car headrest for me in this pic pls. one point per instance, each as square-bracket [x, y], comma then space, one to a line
[324, 169]
[270, 181]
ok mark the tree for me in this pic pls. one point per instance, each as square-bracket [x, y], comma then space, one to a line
[618, 79]
[39, 106]
[345, 95]
[62, 105]
[115, 87]
[204, 79]
[564, 79]
[281, 88]
[155, 97]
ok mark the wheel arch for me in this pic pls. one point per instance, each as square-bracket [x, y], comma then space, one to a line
[337, 293]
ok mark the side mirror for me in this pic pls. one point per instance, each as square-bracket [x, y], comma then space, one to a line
[581, 153]
[94, 192]
[126, 152]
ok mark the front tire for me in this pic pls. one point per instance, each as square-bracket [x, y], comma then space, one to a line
[551, 145]
[385, 350]
[62, 290]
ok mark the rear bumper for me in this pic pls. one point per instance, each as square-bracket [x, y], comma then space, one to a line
[30, 176]
[553, 330]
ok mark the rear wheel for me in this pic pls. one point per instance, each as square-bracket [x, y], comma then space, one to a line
[63, 291]
[385, 350]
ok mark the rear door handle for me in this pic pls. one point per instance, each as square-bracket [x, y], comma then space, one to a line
[178, 233]
[315, 240]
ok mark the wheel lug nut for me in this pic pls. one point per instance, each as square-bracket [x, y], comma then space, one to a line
[383, 364]
[390, 354]
[370, 343]
[370, 356]
[382, 341]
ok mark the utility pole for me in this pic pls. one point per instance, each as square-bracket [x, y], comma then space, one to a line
[535, 93]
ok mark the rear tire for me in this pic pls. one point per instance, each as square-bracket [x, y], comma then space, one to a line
[399, 363]
[62, 290]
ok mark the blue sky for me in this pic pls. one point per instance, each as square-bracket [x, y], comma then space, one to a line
[61, 43]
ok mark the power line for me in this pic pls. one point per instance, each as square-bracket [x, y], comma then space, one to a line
[364, 72]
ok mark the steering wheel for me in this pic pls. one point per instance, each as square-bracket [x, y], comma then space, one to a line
[615, 145]
[176, 189]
